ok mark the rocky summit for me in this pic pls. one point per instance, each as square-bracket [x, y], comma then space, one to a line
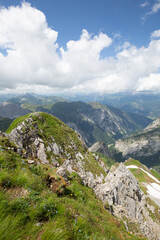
[54, 188]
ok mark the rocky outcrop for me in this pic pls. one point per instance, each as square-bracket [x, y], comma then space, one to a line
[100, 147]
[144, 145]
[122, 188]
[31, 142]
[122, 194]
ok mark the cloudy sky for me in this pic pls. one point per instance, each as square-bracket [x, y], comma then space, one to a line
[81, 46]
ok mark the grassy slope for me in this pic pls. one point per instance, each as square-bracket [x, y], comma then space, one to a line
[30, 210]
[141, 176]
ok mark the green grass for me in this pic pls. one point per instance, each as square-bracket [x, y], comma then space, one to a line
[91, 165]
[141, 176]
[132, 161]
[64, 211]
[49, 127]
[43, 214]
[16, 122]
[109, 161]
[155, 174]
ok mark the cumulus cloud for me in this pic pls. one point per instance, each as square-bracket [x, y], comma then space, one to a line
[34, 61]
[150, 83]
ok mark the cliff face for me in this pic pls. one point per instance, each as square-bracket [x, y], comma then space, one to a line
[143, 146]
[42, 139]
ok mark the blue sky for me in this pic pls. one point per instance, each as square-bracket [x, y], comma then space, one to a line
[124, 17]
[125, 33]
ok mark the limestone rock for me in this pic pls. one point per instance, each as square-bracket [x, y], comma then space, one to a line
[143, 144]
[41, 153]
[121, 190]
[100, 147]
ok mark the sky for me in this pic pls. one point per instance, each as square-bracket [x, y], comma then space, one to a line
[79, 46]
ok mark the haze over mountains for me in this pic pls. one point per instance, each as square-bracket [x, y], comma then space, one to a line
[95, 122]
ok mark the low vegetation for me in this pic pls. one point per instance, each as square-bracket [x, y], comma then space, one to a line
[30, 209]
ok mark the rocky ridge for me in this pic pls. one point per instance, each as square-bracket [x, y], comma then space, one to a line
[43, 139]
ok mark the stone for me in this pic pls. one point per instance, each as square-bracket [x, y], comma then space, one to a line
[41, 153]
[79, 156]
[31, 161]
[55, 148]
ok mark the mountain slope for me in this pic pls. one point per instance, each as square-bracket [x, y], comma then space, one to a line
[149, 180]
[32, 101]
[4, 124]
[50, 184]
[45, 197]
[12, 111]
[143, 146]
[141, 103]
[96, 122]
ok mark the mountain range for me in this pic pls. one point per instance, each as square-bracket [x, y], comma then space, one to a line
[97, 122]
[141, 103]
[94, 121]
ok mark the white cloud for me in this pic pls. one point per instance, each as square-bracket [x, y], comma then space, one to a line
[155, 34]
[150, 83]
[155, 7]
[145, 4]
[33, 62]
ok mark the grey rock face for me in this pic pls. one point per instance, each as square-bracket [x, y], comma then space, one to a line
[143, 144]
[55, 148]
[121, 190]
[41, 153]
[29, 144]
[100, 147]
